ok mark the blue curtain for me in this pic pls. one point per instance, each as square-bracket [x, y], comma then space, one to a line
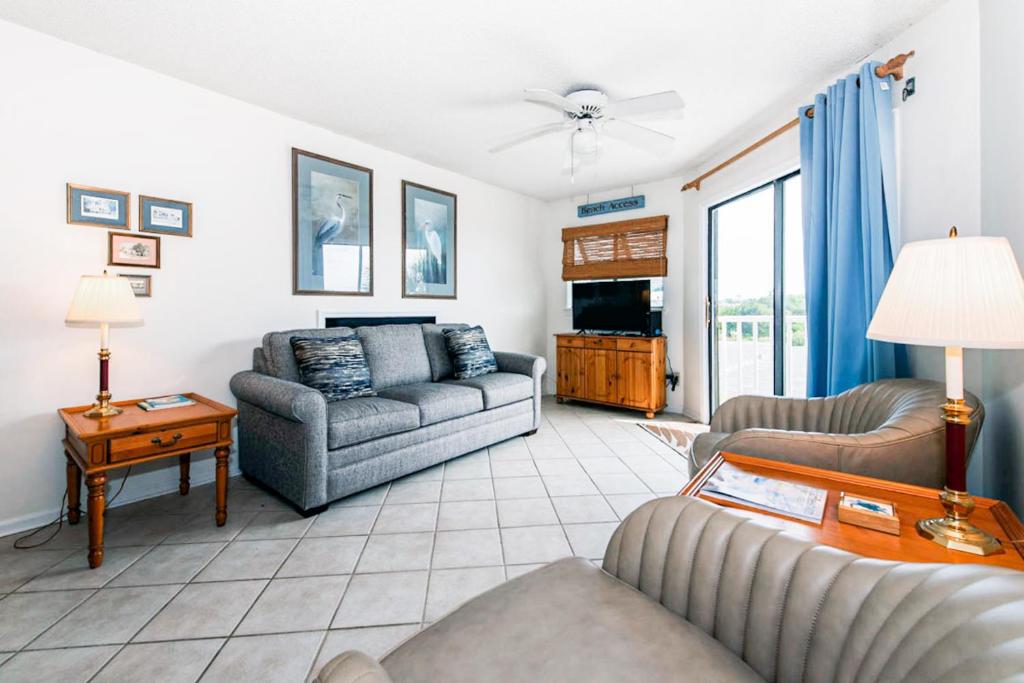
[851, 227]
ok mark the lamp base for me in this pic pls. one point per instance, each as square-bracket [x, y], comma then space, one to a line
[102, 407]
[954, 531]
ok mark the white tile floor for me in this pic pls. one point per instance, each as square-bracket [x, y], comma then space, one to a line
[179, 599]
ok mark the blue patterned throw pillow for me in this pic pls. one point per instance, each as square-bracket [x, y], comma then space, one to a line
[334, 366]
[470, 352]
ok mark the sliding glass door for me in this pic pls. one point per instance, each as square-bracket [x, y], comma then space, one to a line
[755, 308]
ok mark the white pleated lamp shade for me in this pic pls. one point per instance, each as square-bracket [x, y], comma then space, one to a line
[103, 299]
[955, 292]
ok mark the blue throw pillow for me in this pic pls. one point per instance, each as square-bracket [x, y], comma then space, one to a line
[470, 352]
[334, 366]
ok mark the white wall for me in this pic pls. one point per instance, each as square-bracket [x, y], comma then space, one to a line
[1002, 213]
[72, 115]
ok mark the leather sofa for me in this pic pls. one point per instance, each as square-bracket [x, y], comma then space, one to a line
[690, 591]
[292, 441]
[891, 429]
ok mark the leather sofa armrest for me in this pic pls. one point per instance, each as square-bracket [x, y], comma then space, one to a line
[290, 400]
[352, 667]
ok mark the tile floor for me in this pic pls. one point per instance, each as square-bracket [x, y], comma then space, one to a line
[273, 595]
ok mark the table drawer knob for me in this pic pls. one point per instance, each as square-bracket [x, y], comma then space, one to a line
[164, 444]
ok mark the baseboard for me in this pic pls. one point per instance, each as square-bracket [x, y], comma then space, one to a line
[37, 519]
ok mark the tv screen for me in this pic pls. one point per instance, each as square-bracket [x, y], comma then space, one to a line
[611, 306]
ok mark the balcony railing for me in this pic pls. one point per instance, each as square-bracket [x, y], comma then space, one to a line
[746, 346]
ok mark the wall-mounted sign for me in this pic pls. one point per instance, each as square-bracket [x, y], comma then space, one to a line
[610, 206]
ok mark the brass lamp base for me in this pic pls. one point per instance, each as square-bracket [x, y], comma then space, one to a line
[954, 531]
[102, 407]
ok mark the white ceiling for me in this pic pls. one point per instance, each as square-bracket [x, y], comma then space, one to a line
[442, 81]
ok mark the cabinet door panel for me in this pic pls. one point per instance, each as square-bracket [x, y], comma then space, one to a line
[635, 379]
[601, 375]
[570, 372]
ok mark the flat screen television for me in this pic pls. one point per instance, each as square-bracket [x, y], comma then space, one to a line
[622, 306]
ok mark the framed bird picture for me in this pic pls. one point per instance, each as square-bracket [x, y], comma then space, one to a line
[332, 226]
[428, 242]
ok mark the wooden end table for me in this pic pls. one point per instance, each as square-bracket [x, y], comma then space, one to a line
[913, 503]
[96, 446]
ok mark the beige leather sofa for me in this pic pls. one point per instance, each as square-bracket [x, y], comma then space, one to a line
[690, 591]
[891, 429]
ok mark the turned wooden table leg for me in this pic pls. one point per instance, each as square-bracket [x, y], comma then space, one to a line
[97, 483]
[184, 461]
[221, 454]
[74, 491]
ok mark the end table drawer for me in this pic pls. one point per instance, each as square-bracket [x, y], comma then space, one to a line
[150, 443]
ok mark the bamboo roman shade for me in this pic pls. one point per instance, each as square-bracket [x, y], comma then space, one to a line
[633, 248]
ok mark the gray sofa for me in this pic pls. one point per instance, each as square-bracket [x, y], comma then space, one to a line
[690, 591]
[891, 429]
[311, 452]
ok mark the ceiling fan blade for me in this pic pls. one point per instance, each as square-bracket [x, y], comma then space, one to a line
[551, 99]
[639, 136]
[523, 136]
[648, 104]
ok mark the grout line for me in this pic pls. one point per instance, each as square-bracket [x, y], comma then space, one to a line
[433, 545]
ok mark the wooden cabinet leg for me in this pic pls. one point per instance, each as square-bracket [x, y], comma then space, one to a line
[184, 462]
[560, 399]
[221, 454]
[74, 490]
[649, 414]
[97, 484]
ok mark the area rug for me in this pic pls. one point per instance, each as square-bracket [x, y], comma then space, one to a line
[678, 436]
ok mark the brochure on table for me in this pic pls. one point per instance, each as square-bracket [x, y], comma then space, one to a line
[772, 495]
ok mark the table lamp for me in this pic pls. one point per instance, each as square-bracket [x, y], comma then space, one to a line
[103, 301]
[960, 292]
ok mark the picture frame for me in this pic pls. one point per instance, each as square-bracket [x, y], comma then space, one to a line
[429, 242]
[98, 207]
[142, 285]
[132, 249]
[165, 216]
[332, 226]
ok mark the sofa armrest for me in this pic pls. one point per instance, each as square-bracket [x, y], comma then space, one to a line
[529, 365]
[290, 400]
[352, 667]
[521, 363]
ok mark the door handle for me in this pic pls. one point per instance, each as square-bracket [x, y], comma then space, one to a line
[158, 441]
[707, 311]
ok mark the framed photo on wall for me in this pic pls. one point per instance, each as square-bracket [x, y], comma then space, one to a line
[165, 216]
[129, 249]
[429, 218]
[142, 285]
[332, 226]
[97, 207]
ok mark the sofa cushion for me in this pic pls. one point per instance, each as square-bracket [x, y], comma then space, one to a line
[567, 621]
[499, 388]
[470, 352]
[278, 357]
[334, 367]
[437, 349]
[356, 420]
[396, 354]
[437, 402]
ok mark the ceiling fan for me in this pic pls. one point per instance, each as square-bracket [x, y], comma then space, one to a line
[589, 115]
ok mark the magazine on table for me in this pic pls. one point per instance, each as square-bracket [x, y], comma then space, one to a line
[165, 402]
[764, 493]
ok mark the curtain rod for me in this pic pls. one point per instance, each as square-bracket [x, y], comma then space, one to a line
[894, 68]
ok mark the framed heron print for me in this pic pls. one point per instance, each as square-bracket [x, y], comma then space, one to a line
[332, 226]
[428, 242]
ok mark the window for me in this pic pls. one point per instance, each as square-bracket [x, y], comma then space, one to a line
[756, 305]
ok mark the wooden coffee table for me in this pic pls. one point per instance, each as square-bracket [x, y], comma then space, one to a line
[913, 503]
[96, 446]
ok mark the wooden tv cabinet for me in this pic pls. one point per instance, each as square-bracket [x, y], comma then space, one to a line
[611, 370]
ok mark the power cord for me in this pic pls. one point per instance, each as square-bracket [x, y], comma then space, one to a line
[672, 378]
[18, 542]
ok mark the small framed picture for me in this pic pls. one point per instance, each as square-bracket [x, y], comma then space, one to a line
[429, 218]
[142, 285]
[133, 250]
[165, 216]
[871, 513]
[97, 207]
